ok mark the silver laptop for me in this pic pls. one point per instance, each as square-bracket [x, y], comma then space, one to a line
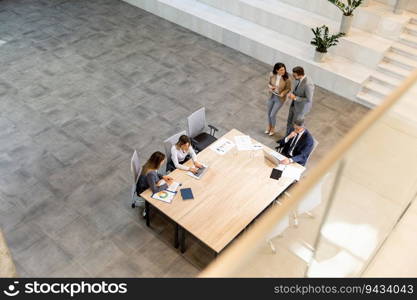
[199, 174]
[271, 157]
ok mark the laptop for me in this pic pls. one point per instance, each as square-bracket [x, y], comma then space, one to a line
[273, 156]
[199, 174]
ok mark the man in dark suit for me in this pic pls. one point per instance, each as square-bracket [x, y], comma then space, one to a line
[296, 146]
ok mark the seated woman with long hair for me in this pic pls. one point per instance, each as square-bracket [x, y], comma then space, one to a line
[149, 176]
[181, 152]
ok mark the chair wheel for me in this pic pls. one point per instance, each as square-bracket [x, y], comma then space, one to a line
[133, 205]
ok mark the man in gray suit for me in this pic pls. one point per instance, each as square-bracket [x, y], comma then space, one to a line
[301, 97]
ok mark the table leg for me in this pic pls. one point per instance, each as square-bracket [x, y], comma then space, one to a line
[176, 242]
[182, 242]
[148, 214]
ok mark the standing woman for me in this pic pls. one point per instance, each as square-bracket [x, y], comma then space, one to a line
[279, 86]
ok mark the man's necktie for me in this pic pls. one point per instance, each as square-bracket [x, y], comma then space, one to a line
[292, 145]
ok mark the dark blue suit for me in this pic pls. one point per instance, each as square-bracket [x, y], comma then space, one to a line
[302, 148]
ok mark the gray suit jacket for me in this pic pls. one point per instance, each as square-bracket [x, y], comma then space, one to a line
[304, 93]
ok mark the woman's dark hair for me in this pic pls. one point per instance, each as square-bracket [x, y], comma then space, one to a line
[183, 140]
[299, 71]
[153, 162]
[279, 66]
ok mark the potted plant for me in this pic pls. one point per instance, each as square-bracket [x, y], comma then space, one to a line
[323, 41]
[347, 9]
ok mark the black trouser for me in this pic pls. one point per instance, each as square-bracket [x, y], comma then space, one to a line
[171, 166]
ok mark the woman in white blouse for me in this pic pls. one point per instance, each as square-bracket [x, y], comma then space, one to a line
[181, 152]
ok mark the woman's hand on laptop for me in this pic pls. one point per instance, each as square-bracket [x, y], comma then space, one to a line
[193, 170]
[198, 165]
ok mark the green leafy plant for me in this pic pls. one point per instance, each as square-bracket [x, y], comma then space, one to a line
[347, 8]
[323, 40]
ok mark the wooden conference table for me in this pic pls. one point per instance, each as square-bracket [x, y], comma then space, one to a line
[235, 189]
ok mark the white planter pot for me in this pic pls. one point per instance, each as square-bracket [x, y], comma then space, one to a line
[346, 24]
[319, 56]
[400, 6]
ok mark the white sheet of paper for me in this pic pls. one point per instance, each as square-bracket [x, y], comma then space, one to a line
[292, 172]
[257, 147]
[281, 167]
[173, 187]
[222, 146]
[243, 142]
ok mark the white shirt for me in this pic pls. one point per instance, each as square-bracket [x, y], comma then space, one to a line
[296, 141]
[302, 78]
[277, 80]
[178, 155]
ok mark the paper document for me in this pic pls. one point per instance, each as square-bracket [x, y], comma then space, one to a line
[243, 143]
[222, 146]
[165, 196]
[257, 147]
[173, 186]
[281, 167]
[292, 172]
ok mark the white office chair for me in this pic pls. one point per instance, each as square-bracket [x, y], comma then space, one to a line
[277, 231]
[196, 127]
[168, 145]
[315, 144]
[135, 171]
[309, 202]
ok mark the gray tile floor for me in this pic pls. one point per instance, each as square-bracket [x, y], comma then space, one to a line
[83, 84]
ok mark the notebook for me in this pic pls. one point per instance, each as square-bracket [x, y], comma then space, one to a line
[186, 194]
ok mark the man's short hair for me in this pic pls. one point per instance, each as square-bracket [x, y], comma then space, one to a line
[299, 122]
[299, 71]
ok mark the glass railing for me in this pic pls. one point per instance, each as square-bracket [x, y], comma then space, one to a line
[348, 217]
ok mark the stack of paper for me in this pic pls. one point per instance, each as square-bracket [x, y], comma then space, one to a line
[292, 172]
[222, 146]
